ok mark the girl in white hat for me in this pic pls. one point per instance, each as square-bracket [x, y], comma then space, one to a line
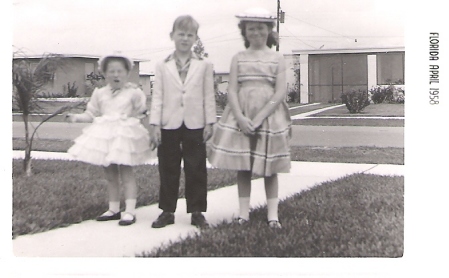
[252, 136]
[116, 140]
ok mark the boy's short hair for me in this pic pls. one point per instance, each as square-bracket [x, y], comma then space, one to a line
[185, 22]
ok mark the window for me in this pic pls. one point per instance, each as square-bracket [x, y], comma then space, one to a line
[390, 68]
[332, 74]
[355, 69]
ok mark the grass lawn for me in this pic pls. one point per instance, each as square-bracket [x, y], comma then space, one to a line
[61, 193]
[313, 154]
[355, 216]
[381, 109]
[47, 145]
[349, 122]
[349, 155]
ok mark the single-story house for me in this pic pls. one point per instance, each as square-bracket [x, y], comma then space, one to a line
[326, 73]
[77, 68]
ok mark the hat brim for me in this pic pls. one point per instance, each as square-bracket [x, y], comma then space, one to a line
[256, 18]
[104, 58]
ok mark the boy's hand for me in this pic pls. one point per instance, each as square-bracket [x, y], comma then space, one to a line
[155, 135]
[207, 133]
[246, 125]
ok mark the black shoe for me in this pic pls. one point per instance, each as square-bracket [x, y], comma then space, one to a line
[115, 216]
[199, 220]
[164, 219]
[124, 222]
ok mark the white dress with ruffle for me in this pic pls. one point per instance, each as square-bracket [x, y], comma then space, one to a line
[116, 135]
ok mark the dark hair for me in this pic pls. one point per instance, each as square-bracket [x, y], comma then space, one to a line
[271, 37]
[185, 22]
[107, 60]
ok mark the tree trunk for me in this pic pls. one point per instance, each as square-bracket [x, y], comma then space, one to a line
[27, 164]
[27, 158]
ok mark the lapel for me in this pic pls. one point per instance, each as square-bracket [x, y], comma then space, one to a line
[194, 65]
[171, 66]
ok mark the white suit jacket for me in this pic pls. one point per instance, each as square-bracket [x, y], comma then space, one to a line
[191, 102]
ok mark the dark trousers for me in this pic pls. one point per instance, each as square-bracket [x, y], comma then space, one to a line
[186, 144]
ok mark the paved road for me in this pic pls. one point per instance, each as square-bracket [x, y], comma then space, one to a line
[330, 136]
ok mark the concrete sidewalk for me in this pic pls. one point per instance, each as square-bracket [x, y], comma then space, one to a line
[107, 239]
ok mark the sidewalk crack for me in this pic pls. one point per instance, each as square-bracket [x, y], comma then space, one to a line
[363, 172]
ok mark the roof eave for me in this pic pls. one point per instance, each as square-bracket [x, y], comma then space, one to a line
[349, 50]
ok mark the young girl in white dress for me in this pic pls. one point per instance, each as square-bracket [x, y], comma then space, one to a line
[117, 139]
[252, 135]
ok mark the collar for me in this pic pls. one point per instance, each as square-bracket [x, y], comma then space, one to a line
[172, 56]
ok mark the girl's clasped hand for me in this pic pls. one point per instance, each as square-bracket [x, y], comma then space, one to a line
[246, 125]
[251, 137]
[252, 134]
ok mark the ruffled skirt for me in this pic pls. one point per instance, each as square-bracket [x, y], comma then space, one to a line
[113, 140]
[265, 153]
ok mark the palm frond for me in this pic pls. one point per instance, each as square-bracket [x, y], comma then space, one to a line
[57, 112]
[27, 82]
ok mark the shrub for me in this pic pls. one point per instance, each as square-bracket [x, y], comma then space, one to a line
[355, 101]
[221, 99]
[292, 96]
[399, 95]
[378, 94]
[70, 90]
[93, 81]
[389, 94]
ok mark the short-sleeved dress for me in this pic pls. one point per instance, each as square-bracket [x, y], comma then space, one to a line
[116, 135]
[267, 152]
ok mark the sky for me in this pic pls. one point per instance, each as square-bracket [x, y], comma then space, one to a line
[141, 28]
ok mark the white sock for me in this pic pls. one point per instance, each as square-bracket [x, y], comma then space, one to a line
[114, 206]
[244, 207]
[272, 205]
[130, 206]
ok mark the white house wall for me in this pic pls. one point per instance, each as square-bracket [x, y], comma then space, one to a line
[372, 71]
[304, 77]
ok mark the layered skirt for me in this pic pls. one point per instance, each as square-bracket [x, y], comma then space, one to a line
[265, 153]
[113, 140]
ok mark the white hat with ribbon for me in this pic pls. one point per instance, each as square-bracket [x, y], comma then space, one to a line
[257, 14]
[115, 54]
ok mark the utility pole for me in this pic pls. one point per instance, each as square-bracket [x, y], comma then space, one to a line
[277, 25]
[280, 19]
